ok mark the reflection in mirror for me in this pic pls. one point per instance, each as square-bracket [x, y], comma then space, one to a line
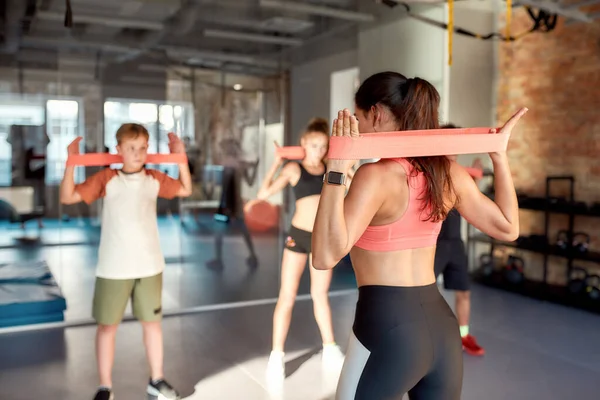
[215, 252]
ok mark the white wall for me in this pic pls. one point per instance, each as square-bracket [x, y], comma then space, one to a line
[472, 81]
[472, 73]
[472, 70]
[410, 47]
[310, 89]
[416, 48]
[343, 86]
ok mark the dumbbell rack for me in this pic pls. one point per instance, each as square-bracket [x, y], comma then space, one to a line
[542, 290]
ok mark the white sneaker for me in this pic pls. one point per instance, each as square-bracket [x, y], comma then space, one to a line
[276, 366]
[332, 357]
[275, 374]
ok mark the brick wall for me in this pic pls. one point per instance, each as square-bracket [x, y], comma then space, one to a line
[556, 75]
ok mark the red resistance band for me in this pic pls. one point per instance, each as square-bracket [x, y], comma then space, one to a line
[101, 159]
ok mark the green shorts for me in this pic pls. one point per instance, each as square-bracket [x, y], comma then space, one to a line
[112, 295]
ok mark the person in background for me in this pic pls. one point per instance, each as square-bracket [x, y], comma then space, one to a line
[451, 261]
[405, 338]
[306, 178]
[130, 260]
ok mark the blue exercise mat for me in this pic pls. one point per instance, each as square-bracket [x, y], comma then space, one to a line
[29, 294]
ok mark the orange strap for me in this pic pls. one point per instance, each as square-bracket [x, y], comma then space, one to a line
[450, 29]
[100, 159]
[291, 152]
[421, 143]
[508, 18]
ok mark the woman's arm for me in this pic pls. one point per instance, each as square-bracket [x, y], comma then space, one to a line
[341, 219]
[498, 218]
[269, 186]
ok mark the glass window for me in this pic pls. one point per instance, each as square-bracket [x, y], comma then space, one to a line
[118, 112]
[62, 119]
[14, 110]
[63, 124]
[159, 118]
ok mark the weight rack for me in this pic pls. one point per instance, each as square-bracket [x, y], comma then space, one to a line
[542, 290]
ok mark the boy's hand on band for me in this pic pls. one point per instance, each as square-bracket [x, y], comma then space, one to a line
[508, 127]
[176, 145]
[346, 125]
[73, 148]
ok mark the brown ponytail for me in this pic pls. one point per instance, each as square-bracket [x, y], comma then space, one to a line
[414, 102]
[319, 125]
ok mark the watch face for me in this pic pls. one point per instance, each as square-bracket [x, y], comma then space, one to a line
[335, 178]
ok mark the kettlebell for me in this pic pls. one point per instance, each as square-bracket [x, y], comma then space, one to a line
[513, 272]
[562, 239]
[577, 280]
[486, 264]
[592, 284]
[581, 242]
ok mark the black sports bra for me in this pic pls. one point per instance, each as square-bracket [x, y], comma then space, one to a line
[308, 184]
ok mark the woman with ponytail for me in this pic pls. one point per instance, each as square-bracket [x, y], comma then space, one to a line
[405, 337]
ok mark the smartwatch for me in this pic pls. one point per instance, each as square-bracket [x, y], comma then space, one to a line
[334, 178]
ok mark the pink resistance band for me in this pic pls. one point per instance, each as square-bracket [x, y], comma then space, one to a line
[297, 153]
[417, 143]
[291, 152]
[100, 159]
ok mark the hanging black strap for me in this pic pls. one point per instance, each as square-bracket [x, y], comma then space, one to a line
[69, 15]
[543, 22]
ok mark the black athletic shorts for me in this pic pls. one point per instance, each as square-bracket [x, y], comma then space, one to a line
[298, 240]
[451, 260]
[404, 340]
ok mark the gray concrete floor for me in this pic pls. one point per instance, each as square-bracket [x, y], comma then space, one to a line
[534, 350]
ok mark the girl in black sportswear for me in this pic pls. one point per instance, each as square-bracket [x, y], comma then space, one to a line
[306, 179]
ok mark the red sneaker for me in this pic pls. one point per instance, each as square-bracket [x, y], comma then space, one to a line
[471, 347]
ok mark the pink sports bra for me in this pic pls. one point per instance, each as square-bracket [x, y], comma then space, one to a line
[408, 232]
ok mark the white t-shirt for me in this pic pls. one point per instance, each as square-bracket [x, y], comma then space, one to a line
[129, 240]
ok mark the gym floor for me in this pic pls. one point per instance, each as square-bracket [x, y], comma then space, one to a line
[534, 350]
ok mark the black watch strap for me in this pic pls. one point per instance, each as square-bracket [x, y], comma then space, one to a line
[334, 178]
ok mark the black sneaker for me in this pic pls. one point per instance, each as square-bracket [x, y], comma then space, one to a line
[162, 390]
[104, 394]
